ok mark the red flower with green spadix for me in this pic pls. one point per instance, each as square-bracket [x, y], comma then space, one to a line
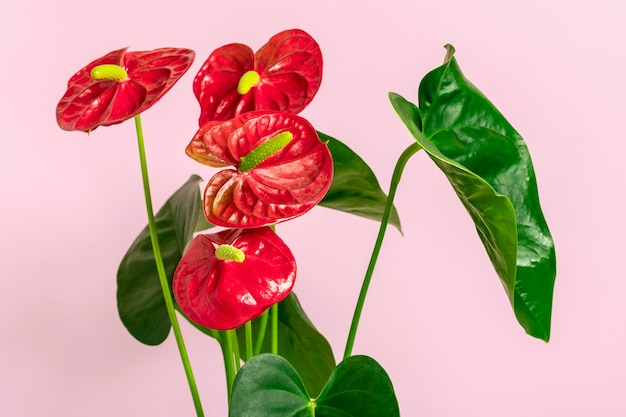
[228, 278]
[120, 85]
[283, 75]
[281, 169]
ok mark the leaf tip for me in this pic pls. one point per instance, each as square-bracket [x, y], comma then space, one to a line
[544, 335]
[449, 53]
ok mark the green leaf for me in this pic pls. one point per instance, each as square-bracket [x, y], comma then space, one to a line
[359, 387]
[269, 386]
[489, 167]
[355, 189]
[299, 342]
[140, 300]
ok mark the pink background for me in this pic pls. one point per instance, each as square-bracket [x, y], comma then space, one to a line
[437, 318]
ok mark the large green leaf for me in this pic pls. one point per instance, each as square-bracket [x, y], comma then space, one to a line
[269, 386]
[299, 342]
[359, 387]
[140, 300]
[489, 167]
[354, 189]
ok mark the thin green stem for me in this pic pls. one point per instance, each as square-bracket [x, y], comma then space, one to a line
[229, 366]
[216, 335]
[249, 352]
[233, 336]
[274, 314]
[260, 338]
[395, 180]
[165, 287]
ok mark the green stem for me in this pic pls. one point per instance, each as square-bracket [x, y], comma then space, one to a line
[260, 338]
[165, 287]
[229, 366]
[216, 335]
[235, 342]
[249, 352]
[395, 180]
[274, 314]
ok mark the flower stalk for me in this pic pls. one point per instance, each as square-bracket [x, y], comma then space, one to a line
[167, 295]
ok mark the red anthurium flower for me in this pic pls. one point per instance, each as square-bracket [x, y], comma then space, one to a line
[283, 75]
[119, 86]
[282, 169]
[228, 278]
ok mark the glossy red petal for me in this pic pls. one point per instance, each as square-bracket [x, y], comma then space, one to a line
[215, 85]
[285, 185]
[306, 176]
[91, 107]
[224, 295]
[82, 104]
[157, 71]
[230, 201]
[291, 62]
[285, 93]
[209, 145]
[89, 103]
[290, 67]
[129, 101]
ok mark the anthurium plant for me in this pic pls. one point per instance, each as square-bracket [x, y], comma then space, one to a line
[215, 256]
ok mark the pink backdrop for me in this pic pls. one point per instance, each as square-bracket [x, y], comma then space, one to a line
[437, 318]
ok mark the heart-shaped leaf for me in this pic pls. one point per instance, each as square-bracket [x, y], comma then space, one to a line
[140, 300]
[489, 167]
[268, 386]
[354, 189]
[359, 387]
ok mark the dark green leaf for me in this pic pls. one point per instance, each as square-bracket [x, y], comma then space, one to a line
[355, 189]
[140, 300]
[268, 386]
[299, 342]
[489, 167]
[359, 387]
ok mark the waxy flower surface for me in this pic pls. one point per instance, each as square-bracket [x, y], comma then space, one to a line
[283, 75]
[281, 168]
[228, 278]
[120, 85]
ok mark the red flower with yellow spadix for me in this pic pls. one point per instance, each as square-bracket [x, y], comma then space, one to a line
[120, 85]
[280, 168]
[228, 278]
[283, 75]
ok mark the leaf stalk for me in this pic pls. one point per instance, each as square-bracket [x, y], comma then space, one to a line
[395, 180]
